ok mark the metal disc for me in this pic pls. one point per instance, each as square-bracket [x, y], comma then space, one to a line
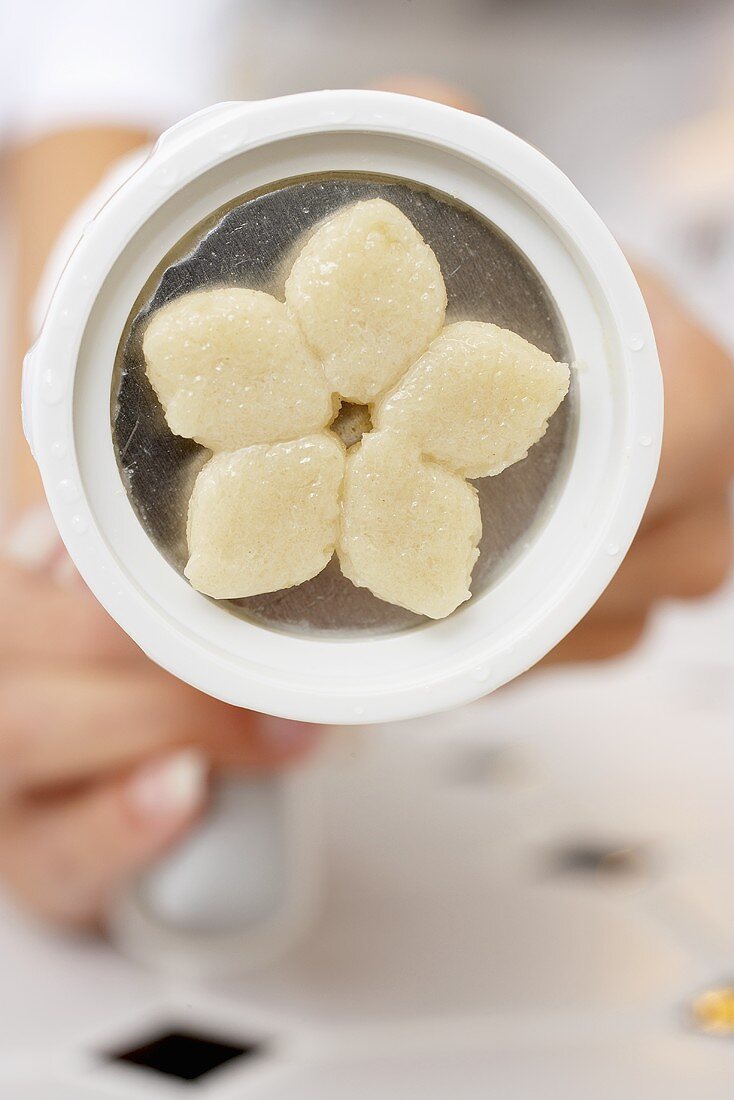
[252, 242]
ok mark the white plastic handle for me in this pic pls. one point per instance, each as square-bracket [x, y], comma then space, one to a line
[230, 873]
[237, 891]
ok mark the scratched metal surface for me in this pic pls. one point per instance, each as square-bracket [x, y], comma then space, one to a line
[252, 243]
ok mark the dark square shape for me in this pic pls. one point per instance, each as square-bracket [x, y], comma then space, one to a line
[186, 1055]
[599, 858]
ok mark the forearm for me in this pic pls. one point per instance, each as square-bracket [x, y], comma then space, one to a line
[47, 180]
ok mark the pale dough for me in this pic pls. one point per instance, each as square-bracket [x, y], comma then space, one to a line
[257, 381]
[410, 528]
[231, 368]
[265, 517]
[369, 296]
[478, 399]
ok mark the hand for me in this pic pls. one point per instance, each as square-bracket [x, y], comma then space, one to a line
[684, 546]
[103, 756]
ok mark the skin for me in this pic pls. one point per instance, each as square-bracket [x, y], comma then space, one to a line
[684, 547]
[72, 828]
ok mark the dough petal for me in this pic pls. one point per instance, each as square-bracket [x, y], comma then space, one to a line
[369, 296]
[231, 368]
[410, 529]
[478, 399]
[265, 517]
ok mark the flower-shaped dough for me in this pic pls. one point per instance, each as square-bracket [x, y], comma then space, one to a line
[258, 382]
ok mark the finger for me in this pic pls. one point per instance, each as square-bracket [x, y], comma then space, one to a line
[47, 621]
[686, 556]
[592, 641]
[698, 442]
[66, 858]
[59, 726]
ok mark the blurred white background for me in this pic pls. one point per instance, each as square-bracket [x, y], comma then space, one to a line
[469, 942]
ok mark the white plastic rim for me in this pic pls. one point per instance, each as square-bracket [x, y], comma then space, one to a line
[227, 151]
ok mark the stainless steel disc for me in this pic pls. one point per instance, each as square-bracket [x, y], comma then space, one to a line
[252, 243]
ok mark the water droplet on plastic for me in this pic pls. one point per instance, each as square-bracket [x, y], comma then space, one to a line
[51, 392]
[612, 549]
[79, 524]
[481, 674]
[636, 342]
[227, 140]
[58, 449]
[165, 175]
[645, 440]
[68, 490]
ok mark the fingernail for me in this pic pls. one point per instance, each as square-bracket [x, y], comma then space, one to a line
[33, 541]
[169, 790]
[283, 736]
